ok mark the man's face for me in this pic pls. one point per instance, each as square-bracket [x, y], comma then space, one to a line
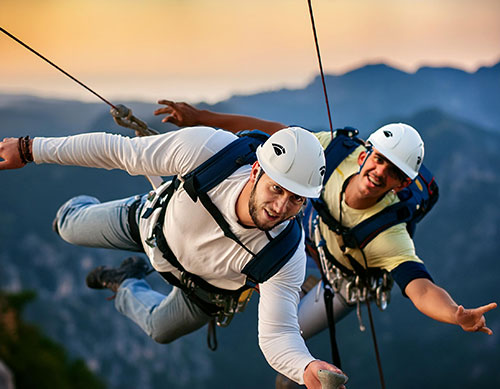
[270, 204]
[379, 175]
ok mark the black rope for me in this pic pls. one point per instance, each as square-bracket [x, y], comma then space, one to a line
[375, 346]
[54, 65]
[372, 328]
[320, 66]
[363, 278]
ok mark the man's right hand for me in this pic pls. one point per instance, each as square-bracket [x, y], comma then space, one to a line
[311, 379]
[9, 152]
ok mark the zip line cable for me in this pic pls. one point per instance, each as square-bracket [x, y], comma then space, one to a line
[313, 25]
[372, 326]
[57, 67]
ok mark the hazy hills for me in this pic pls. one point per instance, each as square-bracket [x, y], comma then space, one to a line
[457, 114]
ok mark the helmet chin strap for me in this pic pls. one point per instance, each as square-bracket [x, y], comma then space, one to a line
[369, 150]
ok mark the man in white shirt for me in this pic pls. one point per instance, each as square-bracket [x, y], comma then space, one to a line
[258, 202]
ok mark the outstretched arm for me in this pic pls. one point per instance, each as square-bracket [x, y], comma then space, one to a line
[436, 303]
[185, 115]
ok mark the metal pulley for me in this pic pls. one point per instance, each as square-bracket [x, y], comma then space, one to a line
[123, 116]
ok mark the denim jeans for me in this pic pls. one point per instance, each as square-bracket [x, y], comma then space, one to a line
[85, 221]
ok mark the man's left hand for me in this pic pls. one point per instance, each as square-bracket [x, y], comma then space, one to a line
[472, 320]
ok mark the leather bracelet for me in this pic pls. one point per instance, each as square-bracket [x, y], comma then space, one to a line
[28, 155]
[20, 145]
[24, 149]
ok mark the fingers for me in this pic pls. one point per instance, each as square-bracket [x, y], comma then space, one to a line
[7, 164]
[163, 110]
[487, 308]
[166, 102]
[170, 106]
[171, 119]
[485, 330]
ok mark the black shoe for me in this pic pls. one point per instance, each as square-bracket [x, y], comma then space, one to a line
[103, 277]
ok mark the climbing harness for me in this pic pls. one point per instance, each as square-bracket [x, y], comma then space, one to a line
[415, 201]
[364, 284]
[220, 303]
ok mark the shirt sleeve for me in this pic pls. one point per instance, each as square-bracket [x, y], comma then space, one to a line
[172, 153]
[279, 332]
[406, 272]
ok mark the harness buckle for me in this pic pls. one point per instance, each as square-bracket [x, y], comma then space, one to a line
[151, 241]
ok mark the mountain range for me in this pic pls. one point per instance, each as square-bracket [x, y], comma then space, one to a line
[457, 114]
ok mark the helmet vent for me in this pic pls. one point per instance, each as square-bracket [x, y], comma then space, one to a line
[322, 171]
[387, 134]
[278, 149]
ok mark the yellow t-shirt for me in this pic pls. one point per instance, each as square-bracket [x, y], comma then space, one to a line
[388, 249]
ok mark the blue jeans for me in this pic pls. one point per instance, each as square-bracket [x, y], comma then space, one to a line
[85, 221]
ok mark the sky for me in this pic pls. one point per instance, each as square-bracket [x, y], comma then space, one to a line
[208, 50]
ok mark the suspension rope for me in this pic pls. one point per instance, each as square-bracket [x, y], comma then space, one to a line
[57, 67]
[375, 346]
[320, 66]
[372, 328]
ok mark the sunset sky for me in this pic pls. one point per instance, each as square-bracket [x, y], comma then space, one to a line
[209, 49]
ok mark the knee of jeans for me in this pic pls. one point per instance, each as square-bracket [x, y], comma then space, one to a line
[72, 204]
[163, 337]
[77, 202]
[67, 208]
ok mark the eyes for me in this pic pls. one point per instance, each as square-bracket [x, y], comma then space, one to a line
[393, 171]
[294, 199]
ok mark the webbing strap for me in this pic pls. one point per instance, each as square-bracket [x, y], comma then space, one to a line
[212, 172]
[329, 295]
[275, 254]
[220, 220]
[339, 148]
[364, 232]
[268, 261]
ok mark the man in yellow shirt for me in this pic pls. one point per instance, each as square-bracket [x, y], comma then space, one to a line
[363, 184]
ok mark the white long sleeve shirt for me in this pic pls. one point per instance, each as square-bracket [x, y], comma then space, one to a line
[197, 241]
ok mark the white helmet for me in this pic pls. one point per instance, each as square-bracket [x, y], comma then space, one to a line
[294, 158]
[402, 145]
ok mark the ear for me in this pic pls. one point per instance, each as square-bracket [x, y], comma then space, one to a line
[254, 172]
[361, 158]
[403, 185]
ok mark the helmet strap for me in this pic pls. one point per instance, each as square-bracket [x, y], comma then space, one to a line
[369, 150]
[259, 175]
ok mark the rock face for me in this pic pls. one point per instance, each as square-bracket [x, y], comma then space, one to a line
[6, 380]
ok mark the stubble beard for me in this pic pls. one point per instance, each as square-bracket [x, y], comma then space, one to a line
[253, 210]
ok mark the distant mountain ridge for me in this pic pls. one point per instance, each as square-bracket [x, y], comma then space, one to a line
[459, 241]
[357, 98]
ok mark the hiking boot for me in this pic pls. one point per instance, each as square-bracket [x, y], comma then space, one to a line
[103, 277]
